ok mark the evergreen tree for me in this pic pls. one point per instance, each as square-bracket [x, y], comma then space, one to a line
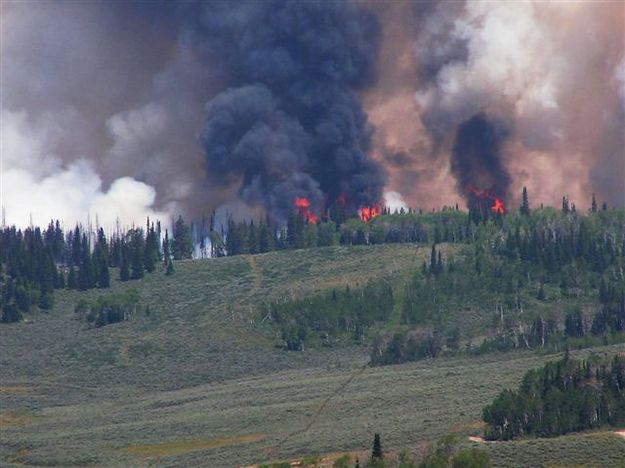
[265, 239]
[87, 270]
[593, 206]
[566, 209]
[170, 268]
[101, 261]
[104, 276]
[433, 258]
[137, 251]
[76, 244]
[525, 206]
[10, 313]
[182, 244]
[46, 300]
[252, 239]
[72, 282]
[376, 451]
[166, 248]
[151, 254]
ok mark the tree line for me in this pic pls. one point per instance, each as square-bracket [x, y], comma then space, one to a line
[34, 261]
[326, 318]
[449, 224]
[564, 396]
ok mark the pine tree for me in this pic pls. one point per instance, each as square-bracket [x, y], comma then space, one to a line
[566, 209]
[593, 206]
[182, 242]
[101, 261]
[137, 250]
[76, 253]
[87, 270]
[166, 248]
[71, 278]
[170, 268]
[265, 239]
[252, 239]
[10, 314]
[525, 206]
[151, 254]
[376, 451]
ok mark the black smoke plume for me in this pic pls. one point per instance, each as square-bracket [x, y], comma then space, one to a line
[476, 159]
[290, 123]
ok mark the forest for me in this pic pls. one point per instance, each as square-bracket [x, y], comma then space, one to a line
[327, 317]
[35, 262]
[564, 396]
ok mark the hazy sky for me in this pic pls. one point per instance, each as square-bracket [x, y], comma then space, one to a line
[106, 105]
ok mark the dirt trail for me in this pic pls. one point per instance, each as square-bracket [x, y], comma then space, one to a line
[620, 432]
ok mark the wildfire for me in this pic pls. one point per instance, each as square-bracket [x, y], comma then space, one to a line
[302, 205]
[367, 213]
[498, 204]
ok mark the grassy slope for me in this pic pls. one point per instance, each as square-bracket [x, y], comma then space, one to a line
[198, 381]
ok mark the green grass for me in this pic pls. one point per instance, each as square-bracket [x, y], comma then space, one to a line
[198, 381]
[597, 449]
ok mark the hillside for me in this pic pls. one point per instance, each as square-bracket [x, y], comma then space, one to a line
[198, 378]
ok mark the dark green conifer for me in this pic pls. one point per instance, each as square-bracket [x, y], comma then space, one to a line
[525, 206]
[376, 451]
[182, 244]
[170, 268]
[137, 249]
[71, 278]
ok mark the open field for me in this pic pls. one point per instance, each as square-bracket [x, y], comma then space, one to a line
[197, 381]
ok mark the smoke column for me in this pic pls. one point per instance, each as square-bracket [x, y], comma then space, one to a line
[290, 123]
[132, 109]
[524, 63]
[476, 159]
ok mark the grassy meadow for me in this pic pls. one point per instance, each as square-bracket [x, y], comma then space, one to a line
[195, 378]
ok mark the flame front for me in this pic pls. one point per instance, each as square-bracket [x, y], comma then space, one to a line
[367, 213]
[498, 206]
[302, 205]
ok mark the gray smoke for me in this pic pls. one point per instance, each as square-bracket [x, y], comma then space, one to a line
[476, 159]
[526, 63]
[290, 124]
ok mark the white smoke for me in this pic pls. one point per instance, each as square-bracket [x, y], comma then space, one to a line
[96, 103]
[394, 201]
[550, 70]
[37, 186]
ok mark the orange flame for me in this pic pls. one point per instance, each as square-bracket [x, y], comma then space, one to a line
[498, 204]
[367, 213]
[302, 205]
